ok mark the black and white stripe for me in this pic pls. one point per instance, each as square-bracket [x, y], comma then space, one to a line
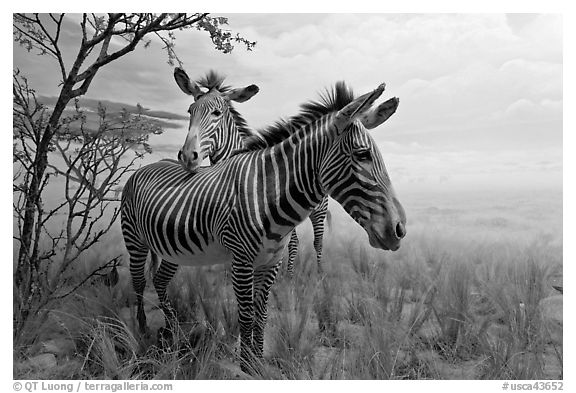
[243, 209]
[220, 137]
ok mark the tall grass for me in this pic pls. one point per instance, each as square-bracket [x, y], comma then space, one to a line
[448, 304]
[517, 352]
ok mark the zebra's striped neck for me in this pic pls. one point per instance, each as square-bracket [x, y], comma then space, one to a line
[228, 140]
[302, 156]
[222, 142]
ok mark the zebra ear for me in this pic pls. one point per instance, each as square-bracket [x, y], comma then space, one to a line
[243, 93]
[185, 84]
[373, 118]
[356, 108]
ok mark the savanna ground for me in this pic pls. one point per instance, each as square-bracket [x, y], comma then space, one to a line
[459, 300]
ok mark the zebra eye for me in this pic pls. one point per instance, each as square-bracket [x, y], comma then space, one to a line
[363, 155]
[216, 112]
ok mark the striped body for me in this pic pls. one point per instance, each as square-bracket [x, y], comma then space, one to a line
[220, 136]
[186, 218]
[243, 209]
[240, 211]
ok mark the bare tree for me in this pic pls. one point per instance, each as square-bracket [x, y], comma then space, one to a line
[95, 159]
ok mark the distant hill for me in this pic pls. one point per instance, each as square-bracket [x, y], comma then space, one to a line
[162, 118]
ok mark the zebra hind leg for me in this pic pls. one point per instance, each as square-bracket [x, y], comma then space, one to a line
[263, 279]
[137, 264]
[242, 282]
[161, 280]
[318, 248]
[317, 218]
[292, 252]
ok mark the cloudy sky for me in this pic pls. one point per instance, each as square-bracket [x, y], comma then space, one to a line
[480, 94]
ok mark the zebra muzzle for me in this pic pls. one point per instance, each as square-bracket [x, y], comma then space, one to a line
[189, 163]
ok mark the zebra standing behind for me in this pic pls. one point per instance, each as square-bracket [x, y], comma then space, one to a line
[242, 210]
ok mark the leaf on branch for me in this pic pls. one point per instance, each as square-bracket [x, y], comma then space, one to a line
[147, 148]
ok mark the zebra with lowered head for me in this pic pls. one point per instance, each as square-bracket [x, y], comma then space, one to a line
[243, 209]
[220, 130]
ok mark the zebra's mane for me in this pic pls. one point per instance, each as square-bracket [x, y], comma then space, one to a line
[241, 125]
[331, 100]
[213, 80]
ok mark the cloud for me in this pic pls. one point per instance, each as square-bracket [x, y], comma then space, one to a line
[455, 74]
[524, 111]
[447, 68]
[480, 94]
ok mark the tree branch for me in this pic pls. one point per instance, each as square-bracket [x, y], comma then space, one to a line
[111, 263]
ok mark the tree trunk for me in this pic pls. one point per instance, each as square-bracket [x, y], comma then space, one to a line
[27, 263]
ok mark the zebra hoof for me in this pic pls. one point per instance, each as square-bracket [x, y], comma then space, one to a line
[246, 369]
[142, 325]
[164, 337]
[249, 368]
[144, 331]
[195, 338]
[253, 367]
[200, 336]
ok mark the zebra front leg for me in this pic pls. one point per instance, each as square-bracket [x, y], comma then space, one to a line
[264, 277]
[161, 280]
[242, 282]
[317, 218]
[137, 264]
[292, 252]
[318, 248]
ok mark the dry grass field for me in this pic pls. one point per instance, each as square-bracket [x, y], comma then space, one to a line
[461, 299]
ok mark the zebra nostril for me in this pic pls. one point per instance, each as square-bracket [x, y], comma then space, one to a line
[194, 156]
[180, 155]
[400, 230]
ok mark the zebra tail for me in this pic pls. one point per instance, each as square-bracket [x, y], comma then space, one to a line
[328, 219]
[154, 264]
